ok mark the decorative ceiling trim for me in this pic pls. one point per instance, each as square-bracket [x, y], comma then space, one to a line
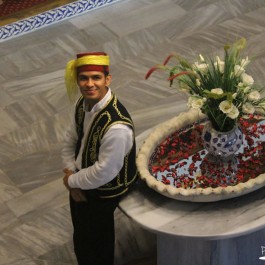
[50, 17]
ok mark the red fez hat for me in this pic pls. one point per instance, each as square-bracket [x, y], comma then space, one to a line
[93, 66]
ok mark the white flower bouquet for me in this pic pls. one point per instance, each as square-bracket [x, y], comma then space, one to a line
[221, 89]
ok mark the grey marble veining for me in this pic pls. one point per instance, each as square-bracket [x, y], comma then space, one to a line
[225, 219]
[34, 112]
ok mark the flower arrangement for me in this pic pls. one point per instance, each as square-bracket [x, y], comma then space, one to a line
[221, 89]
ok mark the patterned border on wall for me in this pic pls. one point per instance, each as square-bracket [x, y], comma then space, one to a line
[49, 17]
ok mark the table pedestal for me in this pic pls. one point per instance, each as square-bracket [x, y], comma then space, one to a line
[244, 250]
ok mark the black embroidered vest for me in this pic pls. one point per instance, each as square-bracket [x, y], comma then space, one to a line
[113, 113]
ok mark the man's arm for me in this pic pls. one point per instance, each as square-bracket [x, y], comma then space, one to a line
[69, 145]
[115, 145]
[68, 157]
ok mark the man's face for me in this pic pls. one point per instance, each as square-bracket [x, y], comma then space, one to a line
[93, 85]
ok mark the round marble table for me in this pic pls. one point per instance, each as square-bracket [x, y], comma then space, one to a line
[228, 232]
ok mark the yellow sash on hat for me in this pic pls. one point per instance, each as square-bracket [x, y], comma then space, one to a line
[93, 60]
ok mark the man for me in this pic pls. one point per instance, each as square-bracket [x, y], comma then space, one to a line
[99, 158]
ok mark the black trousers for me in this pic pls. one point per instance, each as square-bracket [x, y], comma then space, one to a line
[94, 232]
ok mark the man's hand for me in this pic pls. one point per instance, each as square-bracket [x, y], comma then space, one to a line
[76, 194]
[68, 173]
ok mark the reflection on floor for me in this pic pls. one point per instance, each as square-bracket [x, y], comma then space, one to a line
[34, 213]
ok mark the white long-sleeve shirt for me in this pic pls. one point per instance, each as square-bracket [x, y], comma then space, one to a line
[115, 144]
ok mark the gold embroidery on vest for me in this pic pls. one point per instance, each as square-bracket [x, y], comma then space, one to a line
[118, 122]
[108, 186]
[90, 134]
[115, 195]
[93, 153]
[79, 114]
[126, 169]
[118, 111]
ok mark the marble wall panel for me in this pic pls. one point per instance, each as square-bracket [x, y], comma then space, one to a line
[7, 218]
[34, 240]
[8, 124]
[36, 37]
[52, 194]
[47, 167]
[239, 27]
[194, 22]
[127, 49]
[257, 16]
[193, 4]
[24, 87]
[255, 47]
[102, 14]
[4, 179]
[157, 13]
[5, 98]
[62, 254]
[8, 191]
[10, 253]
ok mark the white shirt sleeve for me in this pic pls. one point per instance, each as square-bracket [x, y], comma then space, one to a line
[115, 144]
[69, 145]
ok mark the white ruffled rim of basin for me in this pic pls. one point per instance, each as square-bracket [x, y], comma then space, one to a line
[183, 120]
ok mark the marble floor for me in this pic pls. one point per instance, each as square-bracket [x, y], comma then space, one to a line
[34, 111]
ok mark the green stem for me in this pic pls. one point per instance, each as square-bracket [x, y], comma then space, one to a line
[222, 126]
[213, 116]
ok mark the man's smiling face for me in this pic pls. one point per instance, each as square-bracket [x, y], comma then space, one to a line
[93, 85]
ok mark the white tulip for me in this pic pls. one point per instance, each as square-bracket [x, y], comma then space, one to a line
[262, 104]
[248, 108]
[246, 89]
[254, 95]
[202, 67]
[201, 58]
[239, 70]
[219, 64]
[245, 62]
[195, 102]
[247, 79]
[240, 85]
[198, 82]
[218, 91]
[226, 106]
[233, 114]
